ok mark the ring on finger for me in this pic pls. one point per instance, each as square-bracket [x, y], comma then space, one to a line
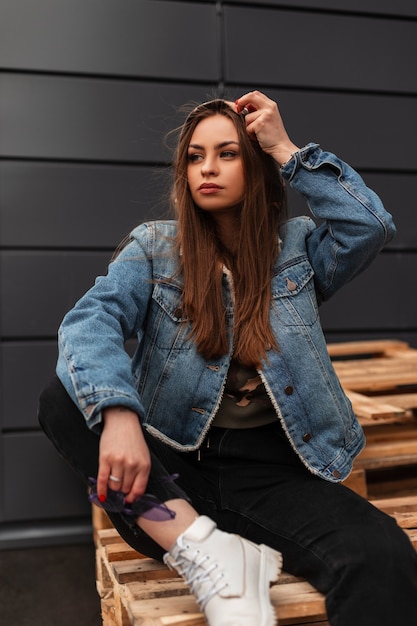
[115, 479]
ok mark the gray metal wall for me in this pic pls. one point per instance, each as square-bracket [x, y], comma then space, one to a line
[88, 91]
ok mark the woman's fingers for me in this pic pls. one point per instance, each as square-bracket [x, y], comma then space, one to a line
[138, 486]
[264, 122]
[252, 101]
[102, 480]
[130, 480]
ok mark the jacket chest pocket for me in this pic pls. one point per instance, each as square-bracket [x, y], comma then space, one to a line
[294, 301]
[166, 325]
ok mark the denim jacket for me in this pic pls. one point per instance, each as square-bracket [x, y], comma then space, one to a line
[173, 389]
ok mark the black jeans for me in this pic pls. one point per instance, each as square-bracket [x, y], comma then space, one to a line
[252, 483]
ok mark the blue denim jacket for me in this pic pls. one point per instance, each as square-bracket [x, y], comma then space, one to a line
[172, 388]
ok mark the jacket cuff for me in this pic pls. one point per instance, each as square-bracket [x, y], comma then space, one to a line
[307, 156]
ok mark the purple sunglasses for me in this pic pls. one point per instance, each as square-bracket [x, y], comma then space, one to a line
[147, 506]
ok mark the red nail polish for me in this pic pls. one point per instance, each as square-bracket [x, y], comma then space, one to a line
[102, 497]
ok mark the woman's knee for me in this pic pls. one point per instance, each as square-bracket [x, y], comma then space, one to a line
[64, 424]
[379, 546]
[54, 403]
[392, 548]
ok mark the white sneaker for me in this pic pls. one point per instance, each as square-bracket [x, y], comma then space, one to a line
[229, 576]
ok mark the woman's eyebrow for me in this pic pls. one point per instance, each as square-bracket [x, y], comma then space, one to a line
[223, 144]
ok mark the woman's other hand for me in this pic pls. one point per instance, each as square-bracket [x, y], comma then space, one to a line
[264, 122]
[124, 455]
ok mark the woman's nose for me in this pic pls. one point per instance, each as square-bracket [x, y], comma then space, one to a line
[209, 166]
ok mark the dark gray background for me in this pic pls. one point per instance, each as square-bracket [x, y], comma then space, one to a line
[88, 91]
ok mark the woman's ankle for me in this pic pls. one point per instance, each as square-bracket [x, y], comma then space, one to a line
[165, 533]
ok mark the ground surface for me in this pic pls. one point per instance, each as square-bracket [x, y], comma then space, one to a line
[52, 586]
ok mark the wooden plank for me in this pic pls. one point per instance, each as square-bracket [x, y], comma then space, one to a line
[106, 536]
[304, 622]
[378, 374]
[392, 482]
[108, 612]
[112, 546]
[121, 551]
[394, 506]
[373, 347]
[403, 509]
[389, 445]
[179, 610]
[407, 520]
[412, 533]
[151, 589]
[388, 433]
[373, 408]
[377, 368]
[140, 569]
[387, 455]
[297, 600]
[104, 581]
[405, 401]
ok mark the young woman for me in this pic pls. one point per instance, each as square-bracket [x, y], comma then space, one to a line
[231, 387]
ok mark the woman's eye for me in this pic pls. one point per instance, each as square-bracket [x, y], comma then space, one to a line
[193, 157]
[228, 154]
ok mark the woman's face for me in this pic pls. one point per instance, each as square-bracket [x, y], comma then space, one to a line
[214, 170]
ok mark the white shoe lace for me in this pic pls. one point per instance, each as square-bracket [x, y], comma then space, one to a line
[195, 575]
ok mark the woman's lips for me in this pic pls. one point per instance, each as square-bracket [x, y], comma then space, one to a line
[208, 188]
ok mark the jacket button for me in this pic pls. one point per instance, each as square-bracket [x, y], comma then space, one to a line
[307, 437]
[178, 312]
[336, 474]
[291, 285]
[289, 390]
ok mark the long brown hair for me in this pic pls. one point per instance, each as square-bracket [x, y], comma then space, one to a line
[202, 256]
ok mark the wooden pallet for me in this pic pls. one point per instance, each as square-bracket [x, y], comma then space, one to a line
[380, 379]
[138, 591]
